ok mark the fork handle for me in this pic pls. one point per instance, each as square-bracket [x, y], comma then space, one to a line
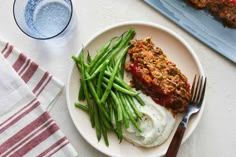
[176, 141]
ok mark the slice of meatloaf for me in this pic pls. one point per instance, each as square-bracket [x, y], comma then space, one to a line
[225, 10]
[157, 77]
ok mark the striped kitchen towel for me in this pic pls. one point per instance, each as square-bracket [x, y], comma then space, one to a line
[26, 94]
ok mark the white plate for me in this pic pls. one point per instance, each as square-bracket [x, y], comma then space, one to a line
[176, 49]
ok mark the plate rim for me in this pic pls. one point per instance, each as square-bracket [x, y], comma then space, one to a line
[142, 23]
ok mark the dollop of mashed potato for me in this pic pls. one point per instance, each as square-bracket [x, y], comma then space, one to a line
[156, 125]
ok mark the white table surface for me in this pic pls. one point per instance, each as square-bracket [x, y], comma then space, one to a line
[215, 136]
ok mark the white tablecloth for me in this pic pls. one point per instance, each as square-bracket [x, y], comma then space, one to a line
[216, 133]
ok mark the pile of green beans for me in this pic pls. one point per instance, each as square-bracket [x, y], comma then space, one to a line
[109, 99]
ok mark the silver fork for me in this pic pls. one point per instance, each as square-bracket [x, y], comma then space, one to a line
[197, 91]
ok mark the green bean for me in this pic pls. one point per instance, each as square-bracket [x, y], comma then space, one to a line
[89, 59]
[103, 58]
[118, 105]
[108, 89]
[104, 133]
[118, 80]
[77, 62]
[134, 107]
[125, 106]
[111, 111]
[81, 92]
[100, 54]
[122, 66]
[99, 63]
[124, 113]
[140, 101]
[92, 90]
[107, 124]
[100, 66]
[82, 107]
[95, 96]
[118, 128]
[125, 85]
[110, 69]
[104, 120]
[95, 73]
[100, 78]
[116, 113]
[112, 65]
[123, 43]
[97, 122]
[99, 69]
[114, 52]
[76, 59]
[121, 89]
[84, 86]
[117, 43]
[81, 96]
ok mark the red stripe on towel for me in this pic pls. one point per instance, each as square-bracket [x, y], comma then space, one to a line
[29, 72]
[4, 48]
[14, 115]
[44, 86]
[45, 76]
[8, 51]
[24, 67]
[19, 117]
[24, 132]
[52, 147]
[58, 149]
[19, 62]
[29, 138]
[36, 141]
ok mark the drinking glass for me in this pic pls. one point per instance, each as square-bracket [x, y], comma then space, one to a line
[43, 19]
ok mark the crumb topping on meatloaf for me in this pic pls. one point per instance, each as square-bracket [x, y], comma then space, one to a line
[157, 77]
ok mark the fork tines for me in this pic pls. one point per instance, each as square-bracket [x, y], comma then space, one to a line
[198, 89]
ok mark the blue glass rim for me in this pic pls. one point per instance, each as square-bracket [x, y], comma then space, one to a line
[46, 38]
